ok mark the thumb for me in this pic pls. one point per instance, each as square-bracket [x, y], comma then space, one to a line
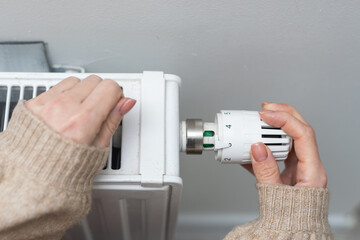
[112, 122]
[263, 162]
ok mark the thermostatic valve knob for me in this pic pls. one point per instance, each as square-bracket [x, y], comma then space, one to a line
[231, 136]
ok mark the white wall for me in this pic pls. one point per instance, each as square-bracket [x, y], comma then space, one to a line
[230, 55]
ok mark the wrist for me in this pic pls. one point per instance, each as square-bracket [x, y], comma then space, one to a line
[48, 156]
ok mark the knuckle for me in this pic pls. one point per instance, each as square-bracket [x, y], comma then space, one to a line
[95, 78]
[309, 131]
[72, 79]
[285, 105]
[111, 83]
[289, 108]
[114, 86]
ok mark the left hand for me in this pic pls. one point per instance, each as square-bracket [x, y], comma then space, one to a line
[303, 166]
[87, 111]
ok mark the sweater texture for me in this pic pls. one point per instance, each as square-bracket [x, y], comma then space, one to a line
[46, 181]
[286, 213]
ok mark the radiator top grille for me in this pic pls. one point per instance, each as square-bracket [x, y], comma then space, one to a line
[9, 97]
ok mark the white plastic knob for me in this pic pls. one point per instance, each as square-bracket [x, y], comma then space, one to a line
[231, 136]
[238, 130]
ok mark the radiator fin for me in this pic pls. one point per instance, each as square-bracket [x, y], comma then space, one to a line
[3, 96]
[28, 92]
[40, 90]
[14, 98]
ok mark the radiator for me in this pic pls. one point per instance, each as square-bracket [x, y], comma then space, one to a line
[137, 194]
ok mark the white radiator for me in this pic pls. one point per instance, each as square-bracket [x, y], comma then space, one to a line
[137, 195]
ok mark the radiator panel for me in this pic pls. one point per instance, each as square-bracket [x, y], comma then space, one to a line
[129, 213]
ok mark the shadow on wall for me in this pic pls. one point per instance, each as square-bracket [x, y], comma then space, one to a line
[354, 232]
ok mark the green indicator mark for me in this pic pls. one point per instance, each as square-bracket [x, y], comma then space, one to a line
[208, 145]
[208, 133]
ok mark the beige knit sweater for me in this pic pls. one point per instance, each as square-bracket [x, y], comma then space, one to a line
[45, 188]
[288, 213]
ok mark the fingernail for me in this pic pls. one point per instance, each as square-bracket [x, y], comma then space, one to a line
[259, 152]
[127, 105]
[265, 112]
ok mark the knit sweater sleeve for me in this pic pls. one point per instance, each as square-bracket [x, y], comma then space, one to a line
[45, 179]
[288, 213]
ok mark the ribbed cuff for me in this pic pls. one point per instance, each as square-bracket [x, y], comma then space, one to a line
[33, 146]
[290, 208]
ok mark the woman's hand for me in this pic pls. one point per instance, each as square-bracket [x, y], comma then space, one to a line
[87, 111]
[303, 167]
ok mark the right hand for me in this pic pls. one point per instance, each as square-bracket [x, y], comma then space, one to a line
[303, 167]
[87, 111]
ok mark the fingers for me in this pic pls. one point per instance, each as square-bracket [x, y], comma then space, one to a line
[101, 101]
[283, 108]
[303, 135]
[264, 165]
[56, 91]
[310, 171]
[84, 88]
[112, 122]
[65, 84]
[87, 111]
